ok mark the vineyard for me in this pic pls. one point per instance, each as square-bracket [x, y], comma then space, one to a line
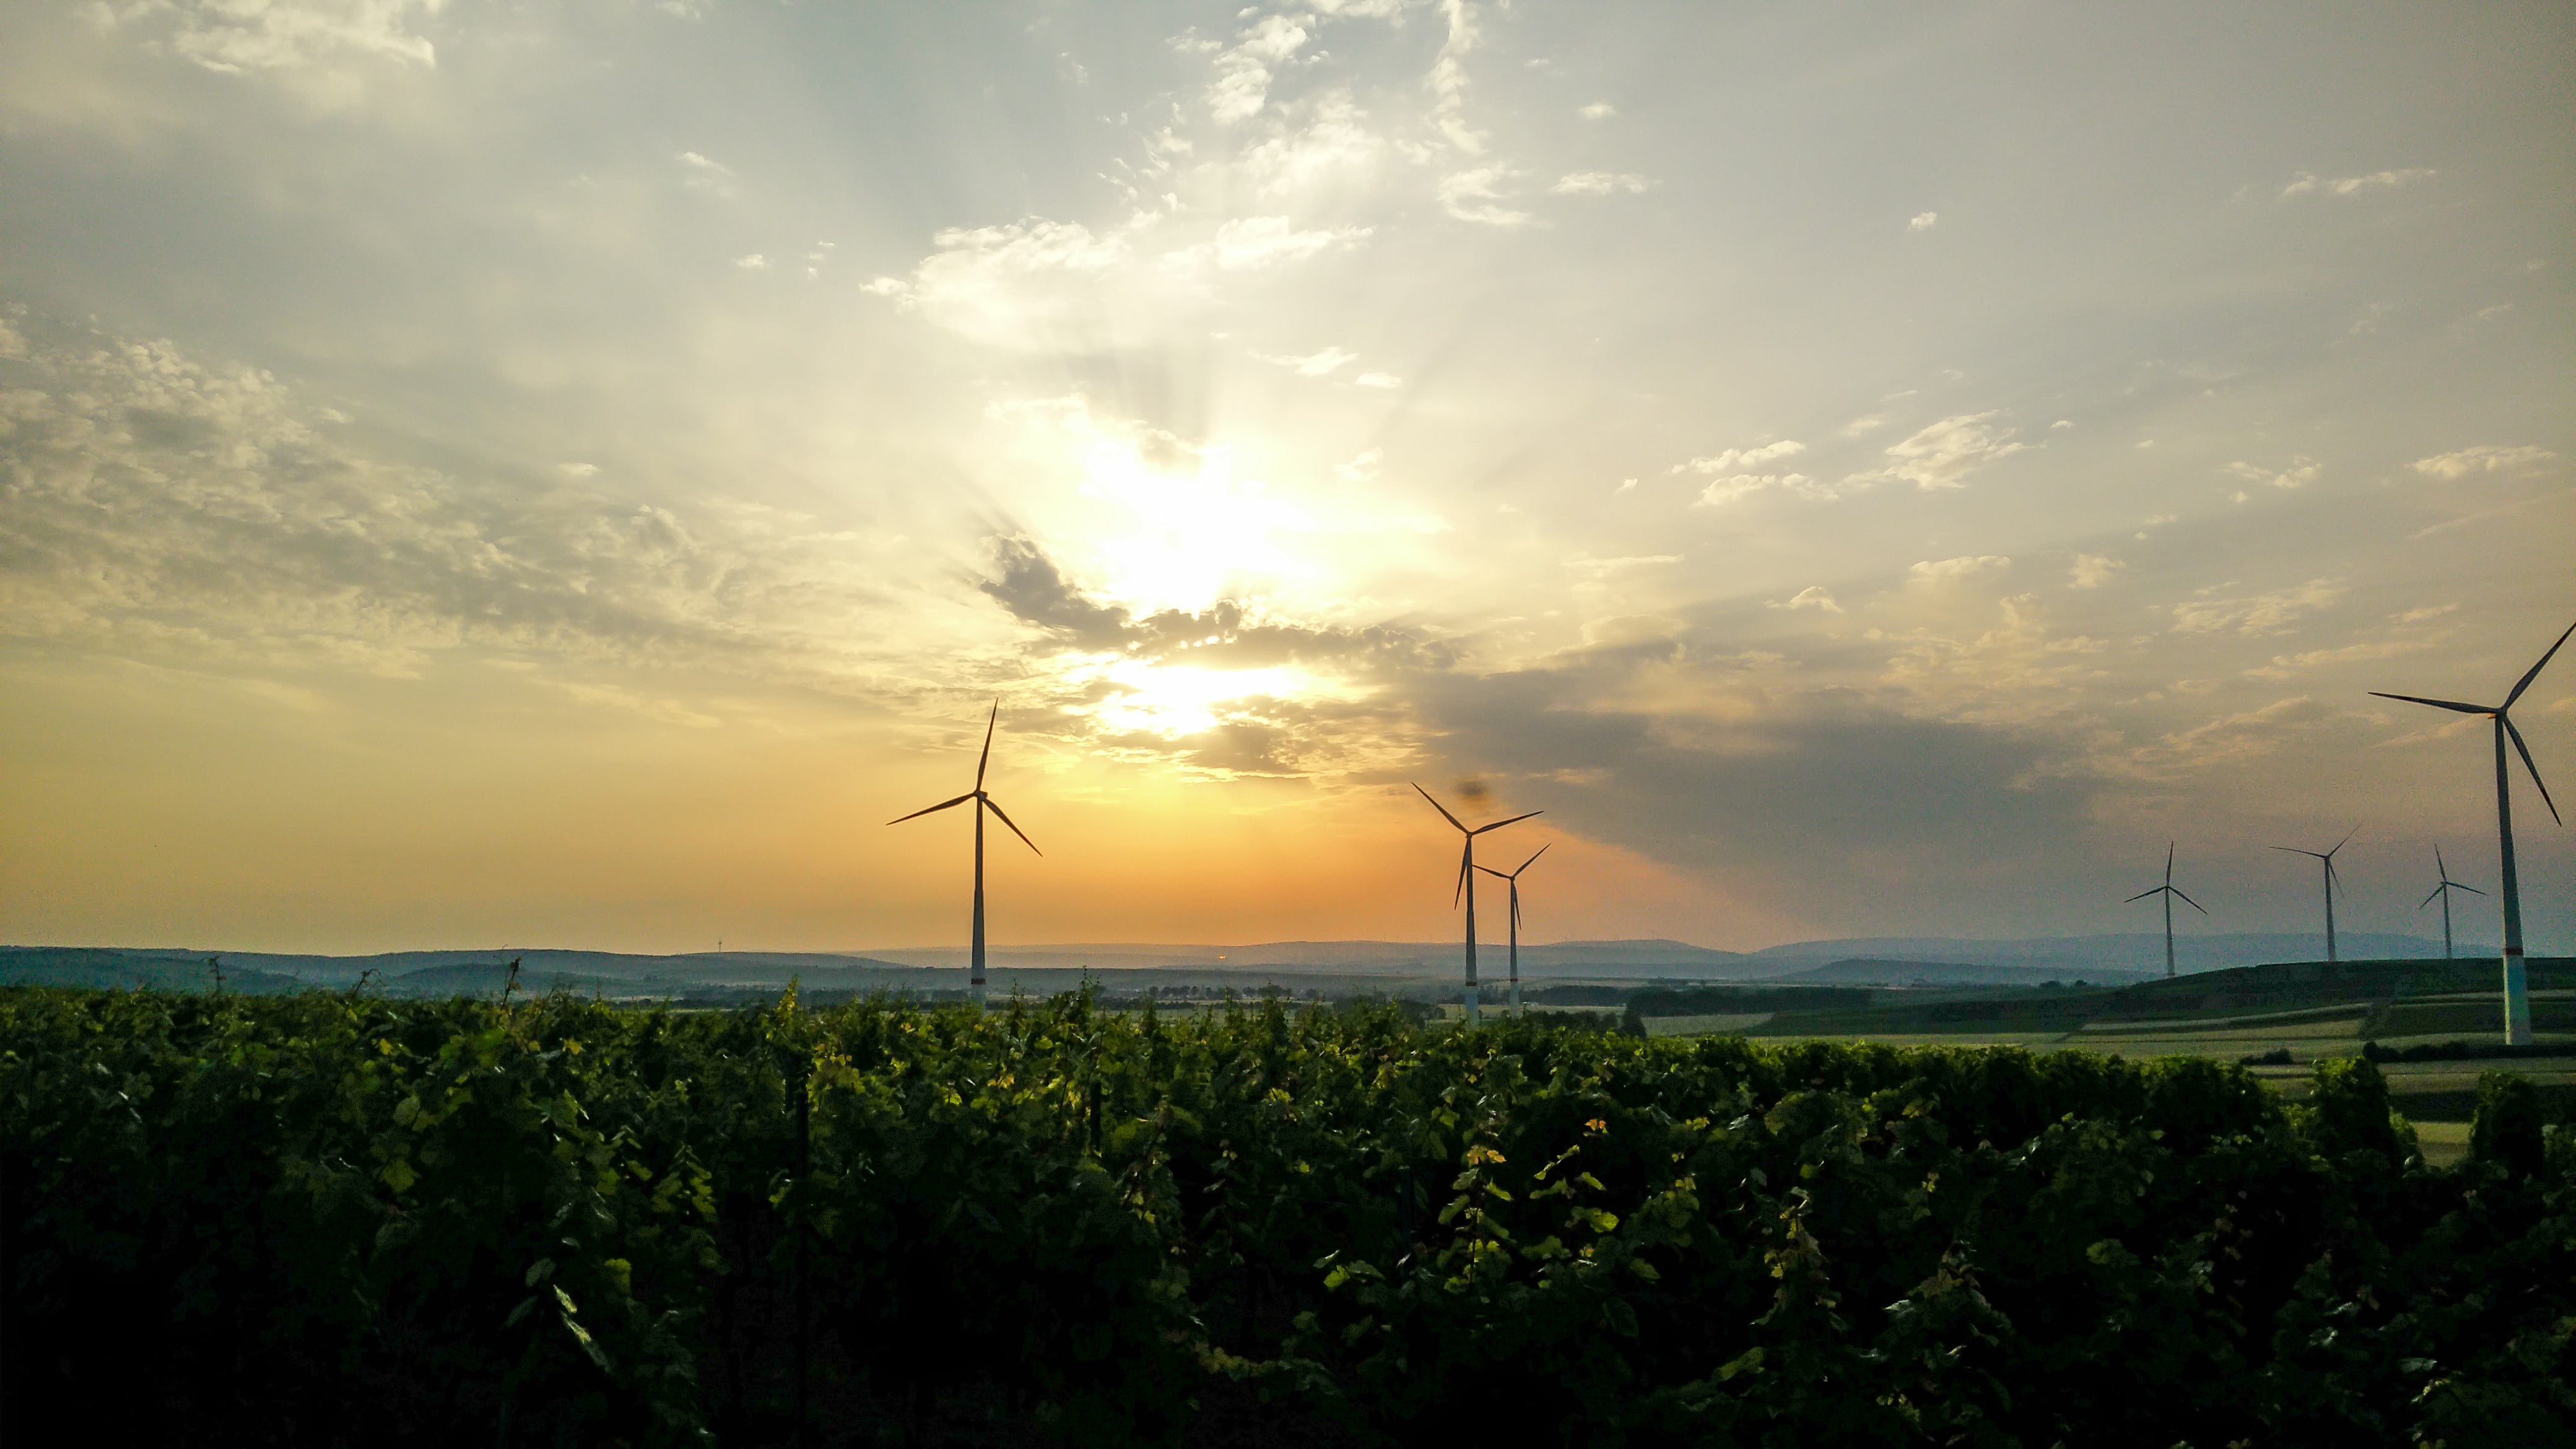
[325, 1219]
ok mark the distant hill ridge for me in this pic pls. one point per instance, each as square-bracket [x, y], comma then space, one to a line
[1323, 965]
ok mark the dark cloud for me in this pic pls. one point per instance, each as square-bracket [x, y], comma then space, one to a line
[1831, 801]
[1222, 636]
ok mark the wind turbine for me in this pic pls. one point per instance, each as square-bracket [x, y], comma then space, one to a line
[2517, 999]
[2444, 890]
[2326, 858]
[983, 802]
[1467, 884]
[1514, 878]
[2170, 893]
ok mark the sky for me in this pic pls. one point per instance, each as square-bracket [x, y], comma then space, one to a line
[569, 474]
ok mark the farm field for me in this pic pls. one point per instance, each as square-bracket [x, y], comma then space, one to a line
[2179, 1019]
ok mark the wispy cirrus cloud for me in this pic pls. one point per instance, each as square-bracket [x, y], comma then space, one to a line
[2484, 458]
[2309, 184]
[1942, 455]
[2218, 612]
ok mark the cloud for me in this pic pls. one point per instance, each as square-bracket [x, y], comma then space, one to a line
[1814, 597]
[1242, 84]
[1739, 486]
[1599, 568]
[1264, 241]
[1223, 689]
[2253, 614]
[2239, 737]
[237, 36]
[2307, 184]
[755, 262]
[701, 173]
[2093, 570]
[160, 505]
[1477, 196]
[1600, 183]
[1447, 81]
[1863, 426]
[2302, 471]
[1378, 379]
[1923, 221]
[1942, 455]
[1314, 364]
[1597, 111]
[1332, 143]
[1793, 795]
[2283, 666]
[1016, 285]
[1730, 459]
[2485, 458]
[1955, 570]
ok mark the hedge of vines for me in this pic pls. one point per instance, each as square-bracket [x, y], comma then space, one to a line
[330, 1220]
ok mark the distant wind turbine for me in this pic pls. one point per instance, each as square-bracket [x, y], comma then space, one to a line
[2326, 859]
[983, 802]
[2171, 894]
[2444, 890]
[2517, 999]
[1514, 879]
[1467, 884]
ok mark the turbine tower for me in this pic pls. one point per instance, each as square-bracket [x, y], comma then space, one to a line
[1467, 884]
[1514, 879]
[2444, 890]
[983, 802]
[2517, 999]
[2171, 894]
[2326, 859]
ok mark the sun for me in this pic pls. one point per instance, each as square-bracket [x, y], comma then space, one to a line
[1174, 700]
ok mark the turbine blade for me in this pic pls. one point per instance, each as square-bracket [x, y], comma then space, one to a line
[1006, 820]
[2441, 867]
[2452, 704]
[1516, 905]
[2525, 751]
[942, 805]
[2347, 839]
[2195, 905]
[2169, 850]
[1436, 805]
[1499, 824]
[985, 758]
[1533, 860]
[2534, 672]
[2142, 895]
[2456, 886]
[1466, 860]
[1496, 874]
[2428, 900]
[2294, 850]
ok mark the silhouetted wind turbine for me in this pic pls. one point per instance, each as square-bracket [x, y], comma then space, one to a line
[2444, 890]
[983, 802]
[1514, 878]
[1467, 884]
[2517, 1000]
[2326, 858]
[2170, 893]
